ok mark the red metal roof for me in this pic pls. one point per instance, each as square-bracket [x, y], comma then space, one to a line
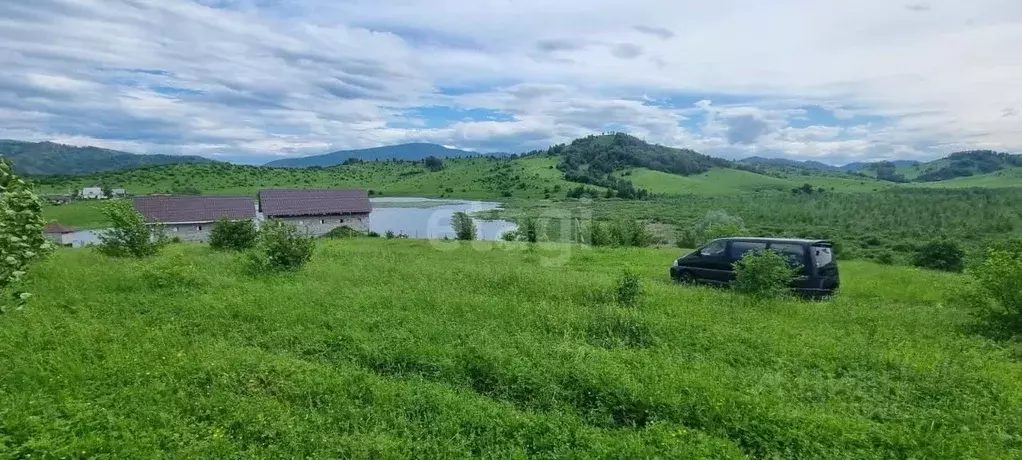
[179, 209]
[310, 202]
[57, 227]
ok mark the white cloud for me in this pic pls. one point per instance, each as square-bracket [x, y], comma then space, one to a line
[263, 79]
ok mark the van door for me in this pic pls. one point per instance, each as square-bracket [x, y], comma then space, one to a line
[712, 264]
[737, 250]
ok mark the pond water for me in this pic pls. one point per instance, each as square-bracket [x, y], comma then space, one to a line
[415, 217]
[431, 218]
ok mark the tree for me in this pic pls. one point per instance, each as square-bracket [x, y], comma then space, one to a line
[128, 235]
[529, 229]
[433, 163]
[236, 235]
[21, 232]
[464, 227]
[281, 247]
[941, 254]
[763, 274]
[718, 224]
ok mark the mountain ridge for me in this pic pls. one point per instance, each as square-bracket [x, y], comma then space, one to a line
[406, 151]
[51, 158]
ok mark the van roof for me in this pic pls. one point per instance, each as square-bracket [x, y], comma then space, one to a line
[777, 240]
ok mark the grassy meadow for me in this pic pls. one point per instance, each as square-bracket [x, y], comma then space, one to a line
[416, 349]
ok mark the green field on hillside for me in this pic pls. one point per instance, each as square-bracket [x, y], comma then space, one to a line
[405, 349]
[720, 181]
[1011, 177]
[481, 178]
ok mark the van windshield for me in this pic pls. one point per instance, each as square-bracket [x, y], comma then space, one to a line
[822, 255]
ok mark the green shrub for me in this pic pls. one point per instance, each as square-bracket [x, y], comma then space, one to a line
[717, 224]
[630, 233]
[885, 257]
[236, 235]
[21, 232]
[998, 290]
[389, 234]
[942, 254]
[343, 232]
[509, 235]
[128, 235]
[528, 229]
[464, 227]
[281, 247]
[629, 289]
[763, 274]
[175, 272]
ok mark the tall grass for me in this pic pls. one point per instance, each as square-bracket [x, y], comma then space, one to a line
[392, 348]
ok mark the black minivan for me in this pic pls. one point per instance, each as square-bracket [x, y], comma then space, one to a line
[714, 263]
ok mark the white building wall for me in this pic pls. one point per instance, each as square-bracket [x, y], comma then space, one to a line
[321, 225]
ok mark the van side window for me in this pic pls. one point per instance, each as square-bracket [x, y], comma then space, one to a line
[739, 248]
[715, 248]
[795, 254]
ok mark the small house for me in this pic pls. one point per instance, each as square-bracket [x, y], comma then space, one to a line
[58, 233]
[118, 193]
[92, 193]
[317, 211]
[191, 218]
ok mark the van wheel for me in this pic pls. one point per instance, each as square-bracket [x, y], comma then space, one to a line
[686, 277]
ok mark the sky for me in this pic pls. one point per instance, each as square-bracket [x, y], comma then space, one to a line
[257, 80]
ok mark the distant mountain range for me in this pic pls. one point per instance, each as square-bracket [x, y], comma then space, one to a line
[412, 151]
[816, 165]
[47, 158]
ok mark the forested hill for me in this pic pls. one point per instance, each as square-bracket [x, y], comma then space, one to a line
[48, 158]
[413, 151]
[592, 159]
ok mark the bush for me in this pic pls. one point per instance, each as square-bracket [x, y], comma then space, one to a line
[528, 229]
[128, 235]
[629, 289]
[599, 235]
[236, 235]
[509, 235]
[389, 234]
[763, 274]
[343, 232]
[281, 247]
[998, 289]
[464, 227]
[174, 272]
[21, 232]
[942, 254]
[631, 233]
[717, 224]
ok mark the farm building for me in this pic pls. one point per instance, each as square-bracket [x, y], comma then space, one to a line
[58, 199]
[91, 193]
[317, 211]
[59, 233]
[191, 217]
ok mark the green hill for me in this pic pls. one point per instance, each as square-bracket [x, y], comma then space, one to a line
[413, 151]
[477, 177]
[50, 158]
[395, 349]
[731, 181]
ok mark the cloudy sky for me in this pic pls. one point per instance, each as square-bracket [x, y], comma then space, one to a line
[256, 80]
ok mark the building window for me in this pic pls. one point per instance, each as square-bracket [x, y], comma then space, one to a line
[200, 228]
[342, 221]
[174, 229]
[322, 221]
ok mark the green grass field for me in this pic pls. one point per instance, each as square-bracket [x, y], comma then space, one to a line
[1011, 177]
[86, 214]
[402, 349]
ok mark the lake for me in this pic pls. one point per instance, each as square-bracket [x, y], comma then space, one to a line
[431, 218]
[415, 217]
